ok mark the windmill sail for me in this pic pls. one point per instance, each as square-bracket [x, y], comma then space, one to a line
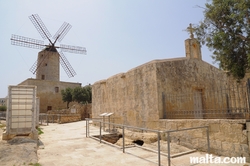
[27, 42]
[66, 66]
[73, 49]
[62, 31]
[41, 28]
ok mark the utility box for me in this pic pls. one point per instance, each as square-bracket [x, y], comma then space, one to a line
[21, 117]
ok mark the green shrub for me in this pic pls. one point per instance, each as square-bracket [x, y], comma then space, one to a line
[3, 108]
[39, 131]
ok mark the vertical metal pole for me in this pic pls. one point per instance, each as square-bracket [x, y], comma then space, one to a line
[100, 132]
[86, 128]
[159, 149]
[52, 118]
[123, 140]
[208, 142]
[47, 119]
[109, 124]
[168, 148]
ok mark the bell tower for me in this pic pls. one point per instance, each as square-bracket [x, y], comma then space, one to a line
[192, 46]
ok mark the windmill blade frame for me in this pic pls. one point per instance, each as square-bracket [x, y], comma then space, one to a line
[41, 28]
[35, 66]
[62, 31]
[73, 49]
[66, 65]
[27, 42]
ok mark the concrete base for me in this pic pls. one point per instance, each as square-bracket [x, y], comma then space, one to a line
[8, 136]
[34, 135]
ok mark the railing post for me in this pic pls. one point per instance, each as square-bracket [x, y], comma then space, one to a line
[208, 142]
[100, 132]
[159, 149]
[123, 140]
[86, 128]
[109, 124]
[168, 134]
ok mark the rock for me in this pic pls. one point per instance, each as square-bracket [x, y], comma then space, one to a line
[127, 142]
[18, 151]
[146, 137]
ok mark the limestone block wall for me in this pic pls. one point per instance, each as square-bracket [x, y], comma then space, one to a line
[85, 110]
[137, 96]
[183, 76]
[67, 118]
[49, 93]
[227, 137]
[131, 96]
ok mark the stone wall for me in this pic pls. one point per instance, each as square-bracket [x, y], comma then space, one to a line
[183, 76]
[131, 96]
[85, 110]
[48, 94]
[136, 96]
[227, 137]
[67, 118]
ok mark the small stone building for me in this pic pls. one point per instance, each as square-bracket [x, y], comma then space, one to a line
[138, 97]
[173, 94]
[49, 93]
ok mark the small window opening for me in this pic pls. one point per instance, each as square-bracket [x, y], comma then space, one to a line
[49, 108]
[43, 77]
[56, 89]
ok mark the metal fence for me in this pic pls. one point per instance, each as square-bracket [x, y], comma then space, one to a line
[220, 103]
[101, 133]
[49, 118]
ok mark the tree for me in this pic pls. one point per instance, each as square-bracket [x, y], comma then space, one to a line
[67, 95]
[225, 30]
[89, 90]
[80, 95]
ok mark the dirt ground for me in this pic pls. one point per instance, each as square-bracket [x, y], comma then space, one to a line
[19, 151]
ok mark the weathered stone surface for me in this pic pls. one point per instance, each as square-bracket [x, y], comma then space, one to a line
[127, 142]
[228, 143]
[69, 118]
[226, 146]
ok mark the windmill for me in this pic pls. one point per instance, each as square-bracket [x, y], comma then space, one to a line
[47, 65]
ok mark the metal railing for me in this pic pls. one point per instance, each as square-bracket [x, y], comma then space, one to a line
[231, 102]
[159, 132]
[49, 118]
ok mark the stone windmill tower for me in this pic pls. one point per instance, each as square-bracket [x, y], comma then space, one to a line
[47, 65]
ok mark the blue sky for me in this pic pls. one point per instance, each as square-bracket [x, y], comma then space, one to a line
[118, 35]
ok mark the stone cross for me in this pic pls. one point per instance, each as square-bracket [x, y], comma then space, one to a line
[190, 29]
